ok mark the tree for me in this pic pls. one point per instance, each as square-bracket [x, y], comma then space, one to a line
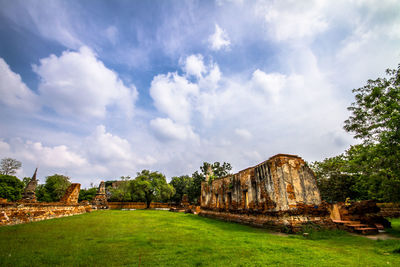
[218, 171]
[334, 180]
[9, 166]
[151, 186]
[87, 194]
[122, 192]
[181, 185]
[375, 119]
[10, 187]
[53, 189]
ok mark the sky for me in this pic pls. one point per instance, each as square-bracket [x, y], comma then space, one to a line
[96, 90]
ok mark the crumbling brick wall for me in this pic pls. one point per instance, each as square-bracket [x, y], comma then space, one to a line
[16, 213]
[281, 190]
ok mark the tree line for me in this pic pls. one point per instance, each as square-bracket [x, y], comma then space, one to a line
[147, 186]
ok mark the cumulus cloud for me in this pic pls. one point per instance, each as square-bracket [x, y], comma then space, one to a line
[194, 65]
[78, 84]
[168, 129]
[102, 147]
[295, 20]
[13, 91]
[59, 156]
[271, 83]
[219, 39]
[172, 95]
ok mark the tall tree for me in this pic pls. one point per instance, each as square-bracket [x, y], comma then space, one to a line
[375, 119]
[9, 166]
[151, 186]
[53, 189]
[181, 185]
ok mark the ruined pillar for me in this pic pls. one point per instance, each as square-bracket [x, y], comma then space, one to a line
[29, 194]
[100, 200]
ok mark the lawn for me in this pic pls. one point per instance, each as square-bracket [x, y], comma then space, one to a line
[162, 238]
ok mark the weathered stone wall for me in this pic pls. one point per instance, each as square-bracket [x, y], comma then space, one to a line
[389, 210]
[71, 195]
[272, 192]
[137, 205]
[16, 213]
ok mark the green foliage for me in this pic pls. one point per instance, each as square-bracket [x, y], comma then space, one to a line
[9, 166]
[375, 120]
[122, 191]
[151, 186]
[217, 170]
[370, 170]
[11, 187]
[53, 189]
[182, 186]
[87, 194]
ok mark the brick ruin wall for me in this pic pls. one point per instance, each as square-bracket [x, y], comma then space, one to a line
[279, 193]
[16, 213]
[27, 210]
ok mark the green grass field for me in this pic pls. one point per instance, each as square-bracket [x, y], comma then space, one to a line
[162, 238]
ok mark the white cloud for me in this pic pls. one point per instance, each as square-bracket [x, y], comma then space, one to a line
[294, 20]
[59, 156]
[243, 133]
[168, 129]
[194, 65]
[103, 146]
[271, 83]
[219, 40]
[172, 95]
[54, 22]
[13, 91]
[78, 84]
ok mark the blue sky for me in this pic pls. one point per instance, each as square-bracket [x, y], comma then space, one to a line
[100, 89]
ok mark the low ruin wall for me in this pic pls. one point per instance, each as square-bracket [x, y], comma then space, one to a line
[137, 205]
[16, 213]
[389, 210]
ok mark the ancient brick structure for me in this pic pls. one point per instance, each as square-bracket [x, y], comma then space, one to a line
[16, 213]
[22, 212]
[280, 193]
[71, 194]
[100, 200]
[29, 193]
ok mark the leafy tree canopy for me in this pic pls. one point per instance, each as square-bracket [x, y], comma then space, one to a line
[53, 189]
[87, 194]
[10, 187]
[9, 166]
[151, 186]
[370, 170]
[218, 171]
[181, 185]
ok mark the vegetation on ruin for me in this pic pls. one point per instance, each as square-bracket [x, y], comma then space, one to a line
[161, 238]
[369, 170]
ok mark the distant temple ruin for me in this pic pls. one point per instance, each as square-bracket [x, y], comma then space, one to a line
[279, 193]
[100, 200]
[29, 194]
